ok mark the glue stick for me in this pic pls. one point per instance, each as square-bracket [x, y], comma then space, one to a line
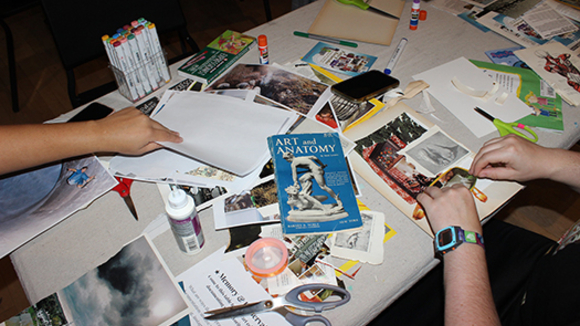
[415, 14]
[263, 48]
[184, 221]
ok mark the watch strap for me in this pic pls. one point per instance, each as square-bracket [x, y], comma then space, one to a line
[471, 237]
[460, 237]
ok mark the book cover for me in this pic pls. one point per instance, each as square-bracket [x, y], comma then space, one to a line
[339, 60]
[558, 66]
[532, 90]
[507, 57]
[216, 57]
[315, 192]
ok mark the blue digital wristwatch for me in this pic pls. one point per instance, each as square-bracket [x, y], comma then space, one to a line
[451, 237]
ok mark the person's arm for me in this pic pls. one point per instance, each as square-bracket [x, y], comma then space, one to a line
[468, 297]
[514, 158]
[128, 131]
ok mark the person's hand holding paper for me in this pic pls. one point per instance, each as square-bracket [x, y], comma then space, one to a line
[225, 132]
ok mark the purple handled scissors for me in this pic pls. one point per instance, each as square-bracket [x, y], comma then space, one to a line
[285, 305]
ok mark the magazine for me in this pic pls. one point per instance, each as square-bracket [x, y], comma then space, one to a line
[532, 90]
[315, 193]
[134, 287]
[209, 63]
[400, 153]
[507, 57]
[558, 66]
[339, 60]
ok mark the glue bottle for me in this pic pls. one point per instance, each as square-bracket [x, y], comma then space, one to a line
[415, 9]
[263, 48]
[184, 221]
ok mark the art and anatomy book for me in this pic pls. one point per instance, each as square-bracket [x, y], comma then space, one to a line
[400, 153]
[315, 192]
[217, 57]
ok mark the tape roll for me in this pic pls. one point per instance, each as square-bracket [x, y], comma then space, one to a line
[267, 257]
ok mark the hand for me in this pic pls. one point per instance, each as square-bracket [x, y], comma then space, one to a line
[131, 132]
[512, 158]
[450, 206]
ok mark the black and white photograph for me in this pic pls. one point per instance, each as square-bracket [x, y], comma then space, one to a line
[131, 288]
[437, 153]
[365, 245]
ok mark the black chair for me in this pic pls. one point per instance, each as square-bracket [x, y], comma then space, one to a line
[78, 25]
[7, 9]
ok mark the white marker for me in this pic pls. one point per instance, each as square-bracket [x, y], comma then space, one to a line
[395, 56]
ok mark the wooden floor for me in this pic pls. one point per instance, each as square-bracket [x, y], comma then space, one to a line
[543, 207]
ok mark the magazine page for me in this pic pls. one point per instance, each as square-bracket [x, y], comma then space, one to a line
[558, 66]
[134, 287]
[53, 193]
[336, 59]
[400, 153]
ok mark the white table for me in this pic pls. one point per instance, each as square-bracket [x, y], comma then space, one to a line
[88, 238]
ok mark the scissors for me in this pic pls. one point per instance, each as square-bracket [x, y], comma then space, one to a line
[124, 189]
[285, 305]
[365, 6]
[505, 128]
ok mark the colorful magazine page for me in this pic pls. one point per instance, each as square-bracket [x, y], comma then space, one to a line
[532, 90]
[231, 42]
[52, 193]
[256, 206]
[315, 192]
[274, 83]
[339, 60]
[558, 66]
[400, 153]
[209, 63]
[507, 57]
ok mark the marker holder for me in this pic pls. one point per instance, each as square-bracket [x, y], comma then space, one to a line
[143, 79]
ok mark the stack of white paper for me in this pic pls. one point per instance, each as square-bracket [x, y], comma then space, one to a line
[221, 131]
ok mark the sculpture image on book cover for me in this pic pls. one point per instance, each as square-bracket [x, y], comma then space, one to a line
[315, 193]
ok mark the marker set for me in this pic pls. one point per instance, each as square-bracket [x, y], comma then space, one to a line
[137, 59]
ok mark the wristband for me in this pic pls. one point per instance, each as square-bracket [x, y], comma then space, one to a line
[451, 237]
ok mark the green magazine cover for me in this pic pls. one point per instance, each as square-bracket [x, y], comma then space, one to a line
[209, 63]
[532, 90]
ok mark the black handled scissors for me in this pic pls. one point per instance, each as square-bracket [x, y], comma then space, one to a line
[285, 305]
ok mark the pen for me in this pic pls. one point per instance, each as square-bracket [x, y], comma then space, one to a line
[396, 55]
[325, 39]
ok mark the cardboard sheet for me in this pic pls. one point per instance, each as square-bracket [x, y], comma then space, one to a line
[348, 22]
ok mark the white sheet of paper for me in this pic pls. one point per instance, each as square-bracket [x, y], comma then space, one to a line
[212, 279]
[364, 245]
[222, 131]
[167, 166]
[462, 105]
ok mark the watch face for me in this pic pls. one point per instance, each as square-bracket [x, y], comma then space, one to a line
[445, 237]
